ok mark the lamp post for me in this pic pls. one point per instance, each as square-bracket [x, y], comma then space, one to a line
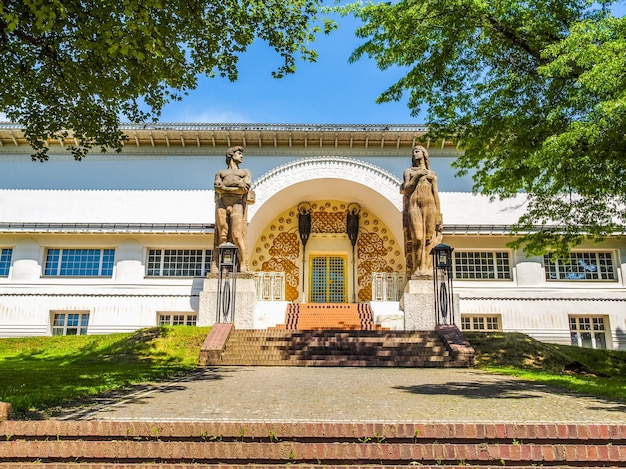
[304, 229]
[352, 227]
[442, 276]
[228, 264]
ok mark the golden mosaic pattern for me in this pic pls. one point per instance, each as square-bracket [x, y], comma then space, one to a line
[278, 250]
[328, 222]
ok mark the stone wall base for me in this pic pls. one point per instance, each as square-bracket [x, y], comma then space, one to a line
[418, 304]
[245, 300]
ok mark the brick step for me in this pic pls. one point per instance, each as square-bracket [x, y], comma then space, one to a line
[128, 444]
[443, 347]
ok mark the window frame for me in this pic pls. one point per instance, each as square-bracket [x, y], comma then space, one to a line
[151, 266]
[484, 319]
[105, 259]
[81, 326]
[500, 275]
[560, 269]
[188, 318]
[597, 326]
[6, 258]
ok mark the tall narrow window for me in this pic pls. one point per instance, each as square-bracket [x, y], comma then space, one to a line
[5, 261]
[593, 265]
[179, 262]
[482, 265]
[79, 262]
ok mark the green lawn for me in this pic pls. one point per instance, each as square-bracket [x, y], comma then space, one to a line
[38, 374]
[599, 373]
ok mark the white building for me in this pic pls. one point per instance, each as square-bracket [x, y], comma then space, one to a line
[123, 241]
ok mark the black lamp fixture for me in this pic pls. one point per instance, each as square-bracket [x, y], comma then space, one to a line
[228, 264]
[352, 228]
[442, 276]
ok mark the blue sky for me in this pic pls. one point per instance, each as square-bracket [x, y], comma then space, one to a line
[329, 91]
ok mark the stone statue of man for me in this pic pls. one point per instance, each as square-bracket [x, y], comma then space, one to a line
[421, 215]
[232, 196]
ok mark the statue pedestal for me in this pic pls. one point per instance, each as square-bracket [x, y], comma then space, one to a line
[418, 304]
[245, 300]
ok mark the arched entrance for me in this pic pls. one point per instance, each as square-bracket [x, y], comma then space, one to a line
[328, 269]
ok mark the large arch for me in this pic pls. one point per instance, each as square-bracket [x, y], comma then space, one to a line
[326, 177]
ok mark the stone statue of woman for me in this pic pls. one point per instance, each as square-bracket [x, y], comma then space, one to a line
[421, 215]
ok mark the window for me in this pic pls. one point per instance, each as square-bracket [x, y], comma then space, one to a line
[480, 323]
[179, 262]
[5, 261]
[581, 266]
[79, 262]
[66, 323]
[482, 265]
[587, 331]
[178, 319]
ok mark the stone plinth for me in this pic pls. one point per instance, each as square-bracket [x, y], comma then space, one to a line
[245, 300]
[418, 304]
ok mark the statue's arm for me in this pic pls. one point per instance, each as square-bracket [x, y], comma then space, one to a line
[408, 186]
[435, 185]
[217, 184]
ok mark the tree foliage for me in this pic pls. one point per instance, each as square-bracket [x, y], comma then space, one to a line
[85, 64]
[534, 92]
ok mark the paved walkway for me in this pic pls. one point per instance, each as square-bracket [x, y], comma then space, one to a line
[350, 395]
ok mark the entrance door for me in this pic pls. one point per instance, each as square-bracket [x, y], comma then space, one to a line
[328, 279]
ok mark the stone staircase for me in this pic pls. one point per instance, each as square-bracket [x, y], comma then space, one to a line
[262, 445]
[314, 316]
[328, 347]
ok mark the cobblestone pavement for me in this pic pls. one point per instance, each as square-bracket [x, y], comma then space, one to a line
[350, 395]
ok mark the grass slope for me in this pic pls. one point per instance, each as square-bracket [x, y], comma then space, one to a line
[40, 373]
[596, 372]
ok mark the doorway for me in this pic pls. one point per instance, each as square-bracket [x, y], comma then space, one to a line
[328, 279]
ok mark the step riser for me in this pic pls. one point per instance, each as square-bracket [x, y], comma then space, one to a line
[165, 444]
[445, 347]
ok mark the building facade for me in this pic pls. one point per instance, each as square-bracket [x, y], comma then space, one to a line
[123, 241]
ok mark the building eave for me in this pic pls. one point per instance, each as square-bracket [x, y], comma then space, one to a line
[182, 135]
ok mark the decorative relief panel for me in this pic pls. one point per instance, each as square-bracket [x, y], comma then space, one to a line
[279, 248]
[376, 251]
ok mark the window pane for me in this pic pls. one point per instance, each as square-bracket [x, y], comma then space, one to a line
[52, 261]
[80, 262]
[465, 323]
[5, 261]
[178, 262]
[580, 266]
[588, 331]
[600, 340]
[586, 339]
[70, 323]
[484, 265]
